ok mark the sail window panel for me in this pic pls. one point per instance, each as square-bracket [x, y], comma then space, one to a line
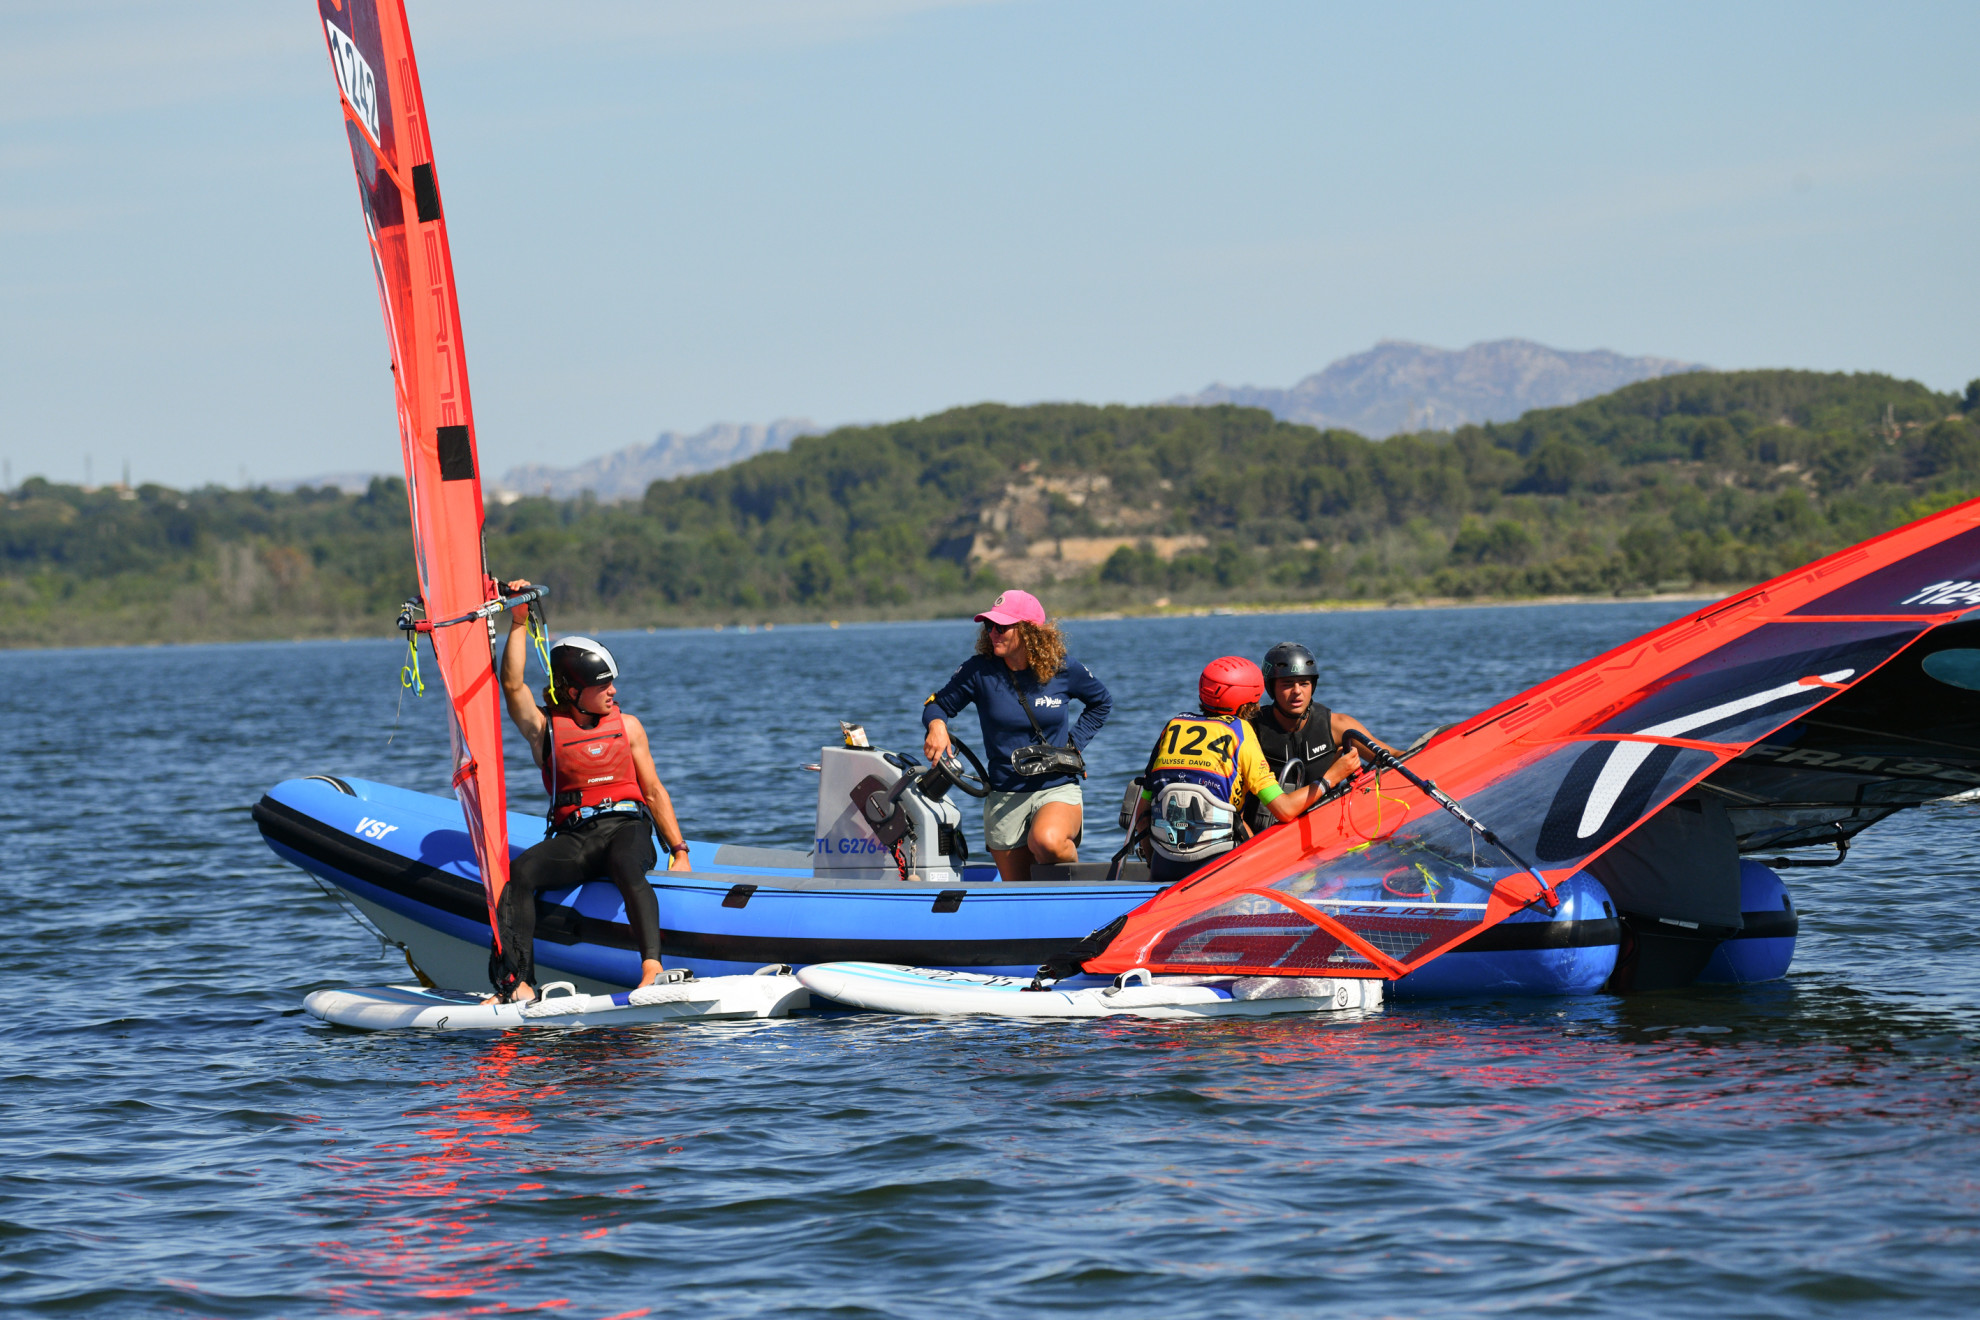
[1249, 930]
[1254, 932]
[1422, 864]
[1406, 895]
[1957, 667]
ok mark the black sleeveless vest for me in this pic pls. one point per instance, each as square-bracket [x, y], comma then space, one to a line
[1297, 758]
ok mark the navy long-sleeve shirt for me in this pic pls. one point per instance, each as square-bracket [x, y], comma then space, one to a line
[993, 687]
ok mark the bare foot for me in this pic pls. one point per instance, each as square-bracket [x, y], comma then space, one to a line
[523, 995]
[649, 972]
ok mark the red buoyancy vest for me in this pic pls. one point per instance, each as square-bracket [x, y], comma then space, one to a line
[588, 767]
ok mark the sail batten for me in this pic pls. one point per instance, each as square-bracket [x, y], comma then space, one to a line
[377, 78]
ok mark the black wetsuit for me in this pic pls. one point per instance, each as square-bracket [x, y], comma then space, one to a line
[1298, 758]
[615, 848]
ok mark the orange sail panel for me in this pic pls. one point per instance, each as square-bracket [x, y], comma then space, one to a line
[1810, 707]
[371, 55]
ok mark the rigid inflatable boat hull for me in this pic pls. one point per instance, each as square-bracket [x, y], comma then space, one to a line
[402, 859]
[1764, 946]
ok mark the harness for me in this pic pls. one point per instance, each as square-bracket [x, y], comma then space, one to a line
[1194, 812]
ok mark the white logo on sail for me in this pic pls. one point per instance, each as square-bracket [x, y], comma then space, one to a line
[1946, 593]
[1627, 756]
[354, 75]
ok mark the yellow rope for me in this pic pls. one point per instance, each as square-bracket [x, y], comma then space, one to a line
[1380, 797]
[409, 672]
[539, 636]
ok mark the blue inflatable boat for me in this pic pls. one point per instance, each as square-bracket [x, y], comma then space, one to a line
[403, 862]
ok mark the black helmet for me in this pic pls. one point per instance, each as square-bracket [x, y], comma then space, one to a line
[578, 663]
[1289, 660]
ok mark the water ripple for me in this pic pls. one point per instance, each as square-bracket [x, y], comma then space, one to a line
[181, 1140]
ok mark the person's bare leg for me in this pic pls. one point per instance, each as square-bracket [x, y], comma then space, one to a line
[649, 972]
[1054, 830]
[1012, 863]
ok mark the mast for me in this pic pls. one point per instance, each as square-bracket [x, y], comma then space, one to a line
[371, 56]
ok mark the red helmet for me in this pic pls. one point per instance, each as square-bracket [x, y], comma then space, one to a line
[1228, 683]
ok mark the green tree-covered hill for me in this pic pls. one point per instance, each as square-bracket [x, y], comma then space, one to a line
[1704, 480]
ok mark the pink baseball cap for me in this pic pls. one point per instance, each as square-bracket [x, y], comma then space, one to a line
[1014, 607]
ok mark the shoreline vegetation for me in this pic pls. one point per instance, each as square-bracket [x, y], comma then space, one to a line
[1686, 486]
[605, 627]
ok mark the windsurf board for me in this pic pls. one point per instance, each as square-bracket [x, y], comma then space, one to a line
[393, 1007]
[931, 992]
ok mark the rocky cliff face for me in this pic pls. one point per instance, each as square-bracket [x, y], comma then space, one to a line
[1401, 387]
[625, 475]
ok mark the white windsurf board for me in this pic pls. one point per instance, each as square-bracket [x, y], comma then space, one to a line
[393, 1007]
[929, 992]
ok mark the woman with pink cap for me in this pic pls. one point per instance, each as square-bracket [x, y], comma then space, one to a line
[1023, 685]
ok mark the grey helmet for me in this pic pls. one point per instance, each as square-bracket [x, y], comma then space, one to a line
[577, 663]
[1289, 660]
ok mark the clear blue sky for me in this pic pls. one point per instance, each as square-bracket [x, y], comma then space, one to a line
[665, 215]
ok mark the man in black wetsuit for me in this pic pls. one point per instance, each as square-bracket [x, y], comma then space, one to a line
[1300, 737]
[606, 803]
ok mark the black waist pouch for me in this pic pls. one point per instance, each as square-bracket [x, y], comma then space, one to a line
[1044, 759]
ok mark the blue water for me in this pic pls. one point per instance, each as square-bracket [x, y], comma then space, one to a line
[178, 1138]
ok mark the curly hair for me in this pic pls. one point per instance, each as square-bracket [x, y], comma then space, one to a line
[1042, 642]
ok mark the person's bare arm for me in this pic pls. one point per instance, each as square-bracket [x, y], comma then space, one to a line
[655, 794]
[523, 710]
[1288, 805]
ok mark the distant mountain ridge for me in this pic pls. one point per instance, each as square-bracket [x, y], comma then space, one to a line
[1394, 388]
[1398, 387]
[625, 475]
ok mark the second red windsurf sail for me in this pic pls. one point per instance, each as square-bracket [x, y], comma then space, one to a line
[385, 118]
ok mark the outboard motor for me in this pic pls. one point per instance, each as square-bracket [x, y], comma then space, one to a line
[882, 812]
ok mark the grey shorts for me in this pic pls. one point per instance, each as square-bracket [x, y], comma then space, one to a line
[1007, 816]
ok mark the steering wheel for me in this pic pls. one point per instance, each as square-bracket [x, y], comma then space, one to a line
[975, 785]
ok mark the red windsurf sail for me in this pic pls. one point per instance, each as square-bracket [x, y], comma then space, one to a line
[1809, 708]
[385, 117]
